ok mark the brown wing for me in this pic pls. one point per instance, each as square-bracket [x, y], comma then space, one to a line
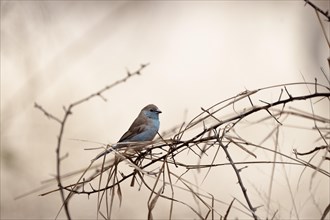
[137, 127]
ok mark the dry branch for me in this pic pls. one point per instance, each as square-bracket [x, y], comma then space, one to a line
[215, 131]
[67, 113]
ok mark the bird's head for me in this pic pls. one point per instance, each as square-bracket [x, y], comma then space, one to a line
[151, 111]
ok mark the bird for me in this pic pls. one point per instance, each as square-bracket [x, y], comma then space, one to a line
[144, 128]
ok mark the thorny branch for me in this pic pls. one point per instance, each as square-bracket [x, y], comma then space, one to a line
[325, 13]
[67, 113]
[237, 171]
[171, 148]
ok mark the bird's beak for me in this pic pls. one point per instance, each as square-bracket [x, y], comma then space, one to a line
[158, 111]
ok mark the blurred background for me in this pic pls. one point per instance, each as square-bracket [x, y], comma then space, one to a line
[200, 52]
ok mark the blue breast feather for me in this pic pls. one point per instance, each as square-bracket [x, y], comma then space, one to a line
[149, 133]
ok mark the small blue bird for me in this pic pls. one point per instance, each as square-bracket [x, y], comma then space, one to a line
[144, 128]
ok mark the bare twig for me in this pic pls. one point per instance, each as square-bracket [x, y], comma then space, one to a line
[48, 115]
[312, 151]
[325, 213]
[325, 13]
[163, 154]
[273, 171]
[68, 112]
[244, 190]
[228, 210]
